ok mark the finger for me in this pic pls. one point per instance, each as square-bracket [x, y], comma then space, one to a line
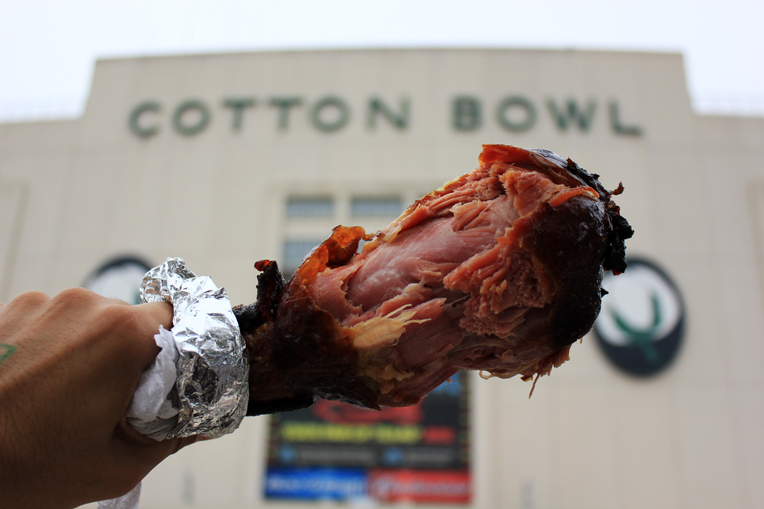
[168, 447]
[129, 436]
[147, 320]
[134, 447]
[159, 313]
[20, 314]
[129, 348]
[26, 304]
[180, 443]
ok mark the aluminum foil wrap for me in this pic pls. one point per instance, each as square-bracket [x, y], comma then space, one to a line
[211, 391]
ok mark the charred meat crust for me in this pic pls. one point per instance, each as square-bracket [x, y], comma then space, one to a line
[564, 238]
[270, 286]
[295, 348]
[567, 238]
[614, 258]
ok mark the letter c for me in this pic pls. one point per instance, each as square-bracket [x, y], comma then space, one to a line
[133, 121]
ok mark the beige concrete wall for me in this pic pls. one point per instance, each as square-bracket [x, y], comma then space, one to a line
[76, 193]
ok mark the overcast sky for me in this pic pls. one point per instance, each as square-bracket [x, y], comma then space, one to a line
[48, 48]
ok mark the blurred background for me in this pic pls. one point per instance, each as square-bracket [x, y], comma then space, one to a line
[239, 131]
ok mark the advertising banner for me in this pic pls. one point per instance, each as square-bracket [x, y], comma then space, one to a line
[337, 451]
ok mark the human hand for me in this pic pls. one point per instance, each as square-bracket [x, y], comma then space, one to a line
[69, 366]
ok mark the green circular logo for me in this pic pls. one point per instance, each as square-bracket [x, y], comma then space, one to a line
[641, 325]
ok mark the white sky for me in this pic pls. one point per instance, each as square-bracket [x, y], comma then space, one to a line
[48, 47]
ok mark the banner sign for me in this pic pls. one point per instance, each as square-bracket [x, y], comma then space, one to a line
[337, 451]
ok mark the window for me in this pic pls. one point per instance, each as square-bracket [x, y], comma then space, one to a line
[376, 206]
[310, 207]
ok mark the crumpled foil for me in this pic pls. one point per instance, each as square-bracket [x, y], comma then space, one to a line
[211, 391]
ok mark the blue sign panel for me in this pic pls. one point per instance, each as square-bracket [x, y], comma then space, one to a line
[316, 483]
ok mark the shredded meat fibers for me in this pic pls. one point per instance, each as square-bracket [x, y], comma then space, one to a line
[497, 271]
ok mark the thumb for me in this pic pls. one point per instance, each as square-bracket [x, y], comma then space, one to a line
[180, 443]
[156, 314]
[151, 316]
[135, 455]
[148, 450]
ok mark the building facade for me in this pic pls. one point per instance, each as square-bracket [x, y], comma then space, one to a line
[227, 159]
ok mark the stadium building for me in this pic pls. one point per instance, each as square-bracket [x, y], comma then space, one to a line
[226, 159]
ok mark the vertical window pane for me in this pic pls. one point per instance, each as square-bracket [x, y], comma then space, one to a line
[376, 206]
[310, 207]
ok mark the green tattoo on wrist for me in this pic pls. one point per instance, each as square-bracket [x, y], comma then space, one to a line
[6, 351]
